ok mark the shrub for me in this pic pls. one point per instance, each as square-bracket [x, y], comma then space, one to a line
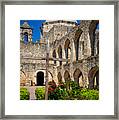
[40, 93]
[70, 91]
[62, 85]
[60, 93]
[74, 92]
[52, 84]
[51, 87]
[24, 94]
[74, 85]
[88, 94]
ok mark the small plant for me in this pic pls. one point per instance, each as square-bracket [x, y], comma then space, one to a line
[40, 93]
[24, 94]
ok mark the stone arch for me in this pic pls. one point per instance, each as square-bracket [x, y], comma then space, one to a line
[54, 56]
[76, 42]
[92, 30]
[59, 76]
[93, 77]
[26, 37]
[22, 78]
[78, 77]
[67, 49]
[60, 53]
[67, 76]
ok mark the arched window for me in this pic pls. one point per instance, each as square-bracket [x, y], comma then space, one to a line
[76, 42]
[60, 54]
[92, 31]
[67, 50]
[25, 37]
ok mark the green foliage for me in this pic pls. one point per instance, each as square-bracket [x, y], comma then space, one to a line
[71, 91]
[51, 88]
[58, 94]
[74, 92]
[74, 85]
[87, 94]
[24, 94]
[40, 93]
[66, 91]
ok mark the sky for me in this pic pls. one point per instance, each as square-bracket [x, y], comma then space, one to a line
[36, 24]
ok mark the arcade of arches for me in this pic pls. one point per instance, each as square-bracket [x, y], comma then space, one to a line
[73, 55]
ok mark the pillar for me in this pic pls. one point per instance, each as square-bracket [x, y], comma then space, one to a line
[71, 59]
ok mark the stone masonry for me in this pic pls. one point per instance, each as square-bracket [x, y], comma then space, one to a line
[73, 53]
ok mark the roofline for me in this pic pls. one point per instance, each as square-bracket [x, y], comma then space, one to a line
[26, 28]
[59, 21]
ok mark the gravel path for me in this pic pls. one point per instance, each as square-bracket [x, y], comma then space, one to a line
[32, 92]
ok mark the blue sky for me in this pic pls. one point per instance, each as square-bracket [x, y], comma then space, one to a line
[36, 24]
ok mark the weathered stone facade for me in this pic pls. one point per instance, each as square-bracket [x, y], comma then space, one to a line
[73, 53]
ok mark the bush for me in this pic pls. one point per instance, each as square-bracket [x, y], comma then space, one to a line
[74, 91]
[51, 88]
[24, 94]
[59, 94]
[87, 94]
[70, 91]
[40, 93]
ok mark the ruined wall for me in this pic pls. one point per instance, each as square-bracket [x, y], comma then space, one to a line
[58, 34]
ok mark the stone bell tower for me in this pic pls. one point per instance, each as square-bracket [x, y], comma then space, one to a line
[26, 32]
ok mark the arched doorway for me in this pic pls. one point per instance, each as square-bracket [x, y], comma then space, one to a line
[93, 77]
[78, 77]
[40, 78]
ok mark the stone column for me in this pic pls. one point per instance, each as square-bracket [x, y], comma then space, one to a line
[88, 46]
[71, 60]
[85, 74]
[62, 74]
[57, 56]
[73, 51]
[63, 54]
